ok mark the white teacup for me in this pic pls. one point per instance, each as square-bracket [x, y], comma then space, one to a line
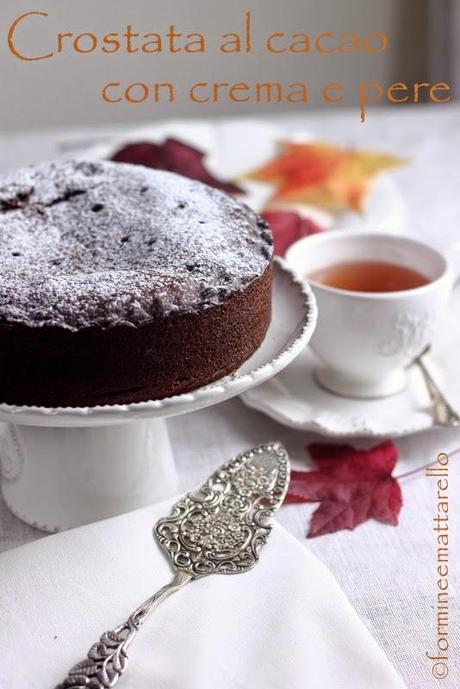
[366, 339]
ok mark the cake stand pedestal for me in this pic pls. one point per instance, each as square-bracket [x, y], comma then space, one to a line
[55, 478]
[65, 467]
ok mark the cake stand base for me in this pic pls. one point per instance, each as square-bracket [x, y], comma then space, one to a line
[57, 478]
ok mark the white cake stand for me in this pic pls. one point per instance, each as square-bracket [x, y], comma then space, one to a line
[64, 467]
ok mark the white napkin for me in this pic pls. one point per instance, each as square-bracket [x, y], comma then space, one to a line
[286, 624]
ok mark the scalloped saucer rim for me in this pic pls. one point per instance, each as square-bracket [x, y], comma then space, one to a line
[295, 399]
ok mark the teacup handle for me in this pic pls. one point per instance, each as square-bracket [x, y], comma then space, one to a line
[453, 257]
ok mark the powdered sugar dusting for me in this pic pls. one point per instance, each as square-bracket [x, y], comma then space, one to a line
[101, 243]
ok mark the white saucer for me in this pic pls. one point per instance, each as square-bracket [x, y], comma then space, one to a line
[295, 398]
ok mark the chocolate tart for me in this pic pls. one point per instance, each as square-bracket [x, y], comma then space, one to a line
[120, 284]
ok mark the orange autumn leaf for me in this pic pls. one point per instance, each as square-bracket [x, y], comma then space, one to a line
[303, 163]
[324, 175]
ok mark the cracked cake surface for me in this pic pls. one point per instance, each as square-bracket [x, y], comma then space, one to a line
[104, 244]
[121, 284]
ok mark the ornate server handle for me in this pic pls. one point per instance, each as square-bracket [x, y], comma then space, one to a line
[443, 413]
[107, 659]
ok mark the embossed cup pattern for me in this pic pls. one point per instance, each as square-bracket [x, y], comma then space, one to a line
[407, 335]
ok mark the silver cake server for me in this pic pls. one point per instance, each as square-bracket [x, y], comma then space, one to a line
[220, 529]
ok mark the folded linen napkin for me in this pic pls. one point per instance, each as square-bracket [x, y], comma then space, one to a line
[286, 624]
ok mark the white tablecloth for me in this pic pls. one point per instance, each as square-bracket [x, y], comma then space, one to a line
[284, 624]
[388, 573]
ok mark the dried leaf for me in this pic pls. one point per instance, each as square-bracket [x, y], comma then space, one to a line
[287, 227]
[175, 156]
[351, 485]
[324, 175]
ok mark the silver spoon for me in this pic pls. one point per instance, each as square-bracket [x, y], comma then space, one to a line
[443, 412]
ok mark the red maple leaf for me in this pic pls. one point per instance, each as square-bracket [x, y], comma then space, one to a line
[351, 485]
[175, 156]
[287, 227]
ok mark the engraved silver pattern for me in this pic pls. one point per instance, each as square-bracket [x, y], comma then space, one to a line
[443, 412]
[220, 529]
